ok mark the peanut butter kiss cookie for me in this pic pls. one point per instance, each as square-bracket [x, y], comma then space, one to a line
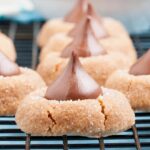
[135, 83]
[96, 60]
[15, 83]
[106, 37]
[7, 47]
[66, 24]
[74, 104]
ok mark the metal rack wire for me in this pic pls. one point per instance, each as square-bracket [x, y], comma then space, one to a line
[24, 37]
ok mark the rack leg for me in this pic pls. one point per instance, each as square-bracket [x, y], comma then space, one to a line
[28, 137]
[136, 138]
[101, 143]
[65, 142]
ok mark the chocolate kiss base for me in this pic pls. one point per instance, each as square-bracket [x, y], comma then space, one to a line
[85, 43]
[73, 83]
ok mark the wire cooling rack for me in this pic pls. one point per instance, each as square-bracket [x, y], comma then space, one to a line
[24, 37]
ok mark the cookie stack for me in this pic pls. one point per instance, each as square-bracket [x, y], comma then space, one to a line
[79, 53]
[88, 81]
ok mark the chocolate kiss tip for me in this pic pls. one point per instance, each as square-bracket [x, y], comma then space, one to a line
[85, 42]
[73, 84]
[142, 66]
[74, 56]
[77, 12]
[8, 67]
[95, 21]
[90, 9]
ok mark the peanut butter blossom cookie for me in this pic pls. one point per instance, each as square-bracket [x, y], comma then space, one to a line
[15, 83]
[74, 104]
[135, 83]
[112, 39]
[112, 33]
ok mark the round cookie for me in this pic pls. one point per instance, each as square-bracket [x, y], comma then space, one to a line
[136, 88]
[74, 104]
[15, 83]
[135, 84]
[102, 117]
[14, 89]
[7, 47]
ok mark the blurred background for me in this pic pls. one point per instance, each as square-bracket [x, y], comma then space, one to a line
[134, 14]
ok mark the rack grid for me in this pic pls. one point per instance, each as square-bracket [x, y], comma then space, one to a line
[24, 37]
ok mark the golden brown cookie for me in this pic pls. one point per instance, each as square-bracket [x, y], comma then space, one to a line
[74, 104]
[103, 116]
[136, 88]
[135, 83]
[14, 88]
